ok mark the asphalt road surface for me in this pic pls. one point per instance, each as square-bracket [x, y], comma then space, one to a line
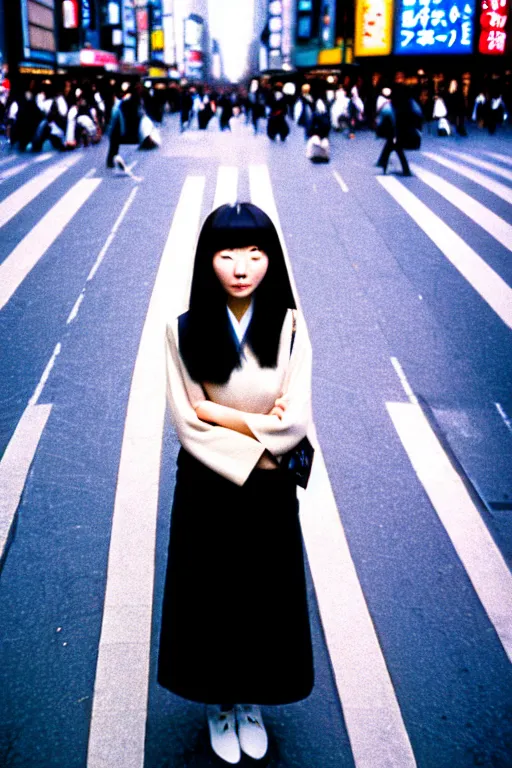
[405, 284]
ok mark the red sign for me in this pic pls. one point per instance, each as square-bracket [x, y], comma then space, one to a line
[92, 58]
[493, 20]
[142, 20]
[195, 56]
[70, 14]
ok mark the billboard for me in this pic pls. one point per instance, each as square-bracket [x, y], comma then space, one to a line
[129, 31]
[373, 32]
[38, 23]
[193, 35]
[434, 26]
[70, 14]
[493, 21]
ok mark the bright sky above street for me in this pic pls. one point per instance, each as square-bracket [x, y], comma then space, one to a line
[231, 23]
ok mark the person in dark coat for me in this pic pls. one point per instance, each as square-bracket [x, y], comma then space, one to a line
[304, 109]
[125, 124]
[456, 105]
[205, 111]
[225, 105]
[277, 124]
[256, 104]
[186, 104]
[235, 630]
[396, 123]
[320, 122]
[23, 118]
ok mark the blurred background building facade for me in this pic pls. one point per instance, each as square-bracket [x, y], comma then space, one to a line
[229, 40]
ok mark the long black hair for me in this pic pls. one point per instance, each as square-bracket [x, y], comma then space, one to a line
[207, 346]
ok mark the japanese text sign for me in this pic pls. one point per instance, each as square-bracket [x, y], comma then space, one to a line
[493, 20]
[374, 19]
[434, 26]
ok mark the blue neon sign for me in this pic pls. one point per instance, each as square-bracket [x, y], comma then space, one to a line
[434, 26]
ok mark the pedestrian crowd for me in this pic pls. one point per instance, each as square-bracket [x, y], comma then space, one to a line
[77, 113]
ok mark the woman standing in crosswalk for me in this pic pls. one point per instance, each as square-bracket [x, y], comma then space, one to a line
[235, 627]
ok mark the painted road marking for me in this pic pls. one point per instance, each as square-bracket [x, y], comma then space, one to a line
[403, 380]
[119, 713]
[10, 172]
[226, 190]
[15, 202]
[18, 456]
[21, 449]
[38, 159]
[498, 170]
[102, 253]
[493, 224]
[340, 181]
[481, 558]
[497, 156]
[477, 272]
[15, 466]
[7, 160]
[30, 250]
[496, 187]
[506, 420]
[362, 678]
[44, 378]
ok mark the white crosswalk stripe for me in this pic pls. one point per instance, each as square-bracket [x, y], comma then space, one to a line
[496, 187]
[498, 156]
[21, 160]
[227, 186]
[34, 245]
[11, 172]
[118, 724]
[13, 204]
[491, 287]
[7, 160]
[492, 167]
[493, 224]
[362, 678]
[473, 543]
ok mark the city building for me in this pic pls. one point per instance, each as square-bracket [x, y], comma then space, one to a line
[192, 38]
[323, 32]
[3, 60]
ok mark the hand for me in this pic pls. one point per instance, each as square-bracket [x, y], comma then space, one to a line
[279, 408]
[267, 461]
[205, 410]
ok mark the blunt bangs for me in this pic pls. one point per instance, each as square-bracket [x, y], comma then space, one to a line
[239, 226]
[206, 345]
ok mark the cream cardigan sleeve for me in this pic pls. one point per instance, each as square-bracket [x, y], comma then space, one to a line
[223, 450]
[281, 435]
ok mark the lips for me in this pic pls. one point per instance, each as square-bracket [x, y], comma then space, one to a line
[242, 286]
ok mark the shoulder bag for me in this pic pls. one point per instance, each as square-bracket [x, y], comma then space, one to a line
[299, 460]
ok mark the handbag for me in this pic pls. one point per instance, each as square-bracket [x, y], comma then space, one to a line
[299, 461]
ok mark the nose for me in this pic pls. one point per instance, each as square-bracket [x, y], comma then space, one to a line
[241, 266]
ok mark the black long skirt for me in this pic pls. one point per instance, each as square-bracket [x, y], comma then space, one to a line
[235, 624]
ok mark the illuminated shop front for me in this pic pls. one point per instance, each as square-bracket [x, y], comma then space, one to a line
[31, 42]
[493, 27]
[434, 26]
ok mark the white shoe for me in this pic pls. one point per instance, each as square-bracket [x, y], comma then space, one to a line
[251, 731]
[223, 736]
[120, 163]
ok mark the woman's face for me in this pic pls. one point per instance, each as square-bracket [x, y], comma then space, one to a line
[240, 270]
